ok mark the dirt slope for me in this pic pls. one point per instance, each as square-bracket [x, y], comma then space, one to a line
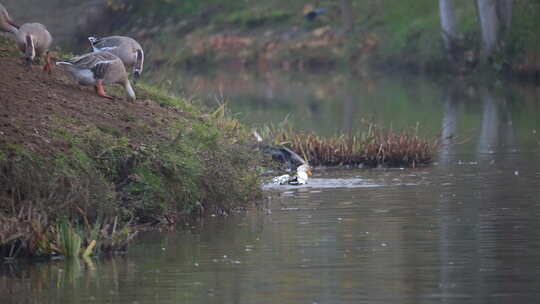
[33, 102]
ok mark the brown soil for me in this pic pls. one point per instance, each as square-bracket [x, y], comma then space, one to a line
[33, 103]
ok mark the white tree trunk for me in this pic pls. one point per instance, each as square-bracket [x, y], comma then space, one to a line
[448, 23]
[489, 24]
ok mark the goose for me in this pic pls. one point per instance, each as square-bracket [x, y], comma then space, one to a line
[126, 48]
[302, 175]
[279, 153]
[33, 39]
[97, 69]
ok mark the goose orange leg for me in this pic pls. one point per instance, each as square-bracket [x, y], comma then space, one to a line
[101, 91]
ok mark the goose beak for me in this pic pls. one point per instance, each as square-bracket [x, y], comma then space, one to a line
[309, 172]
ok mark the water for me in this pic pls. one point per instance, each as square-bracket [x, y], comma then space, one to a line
[333, 103]
[467, 231]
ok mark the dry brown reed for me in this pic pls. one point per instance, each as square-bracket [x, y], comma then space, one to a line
[375, 147]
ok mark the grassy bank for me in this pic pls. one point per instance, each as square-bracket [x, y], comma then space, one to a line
[276, 33]
[80, 174]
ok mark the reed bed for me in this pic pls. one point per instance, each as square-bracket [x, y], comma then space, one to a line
[375, 147]
[31, 233]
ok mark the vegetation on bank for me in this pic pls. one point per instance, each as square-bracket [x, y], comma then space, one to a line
[80, 175]
[382, 33]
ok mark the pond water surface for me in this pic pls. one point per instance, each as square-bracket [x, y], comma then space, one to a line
[464, 230]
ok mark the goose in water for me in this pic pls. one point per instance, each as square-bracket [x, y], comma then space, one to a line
[303, 173]
[126, 48]
[33, 39]
[99, 68]
[279, 153]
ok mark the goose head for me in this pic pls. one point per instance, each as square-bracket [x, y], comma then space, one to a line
[137, 69]
[304, 172]
[136, 76]
[93, 40]
[305, 168]
[129, 89]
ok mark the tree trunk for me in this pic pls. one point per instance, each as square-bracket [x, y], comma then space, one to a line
[448, 25]
[347, 16]
[489, 24]
[504, 12]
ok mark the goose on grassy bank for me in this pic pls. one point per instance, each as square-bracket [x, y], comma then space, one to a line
[99, 68]
[33, 39]
[126, 48]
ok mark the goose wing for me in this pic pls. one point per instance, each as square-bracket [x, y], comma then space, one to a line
[107, 43]
[281, 180]
[99, 63]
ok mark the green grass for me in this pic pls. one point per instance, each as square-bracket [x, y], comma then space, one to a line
[254, 18]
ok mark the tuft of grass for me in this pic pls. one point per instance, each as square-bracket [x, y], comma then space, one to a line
[68, 240]
[145, 91]
[374, 147]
